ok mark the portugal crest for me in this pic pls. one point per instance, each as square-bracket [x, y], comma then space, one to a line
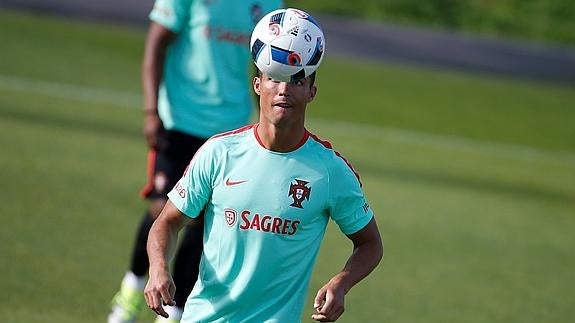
[299, 192]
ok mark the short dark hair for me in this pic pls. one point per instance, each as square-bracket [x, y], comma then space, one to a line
[312, 78]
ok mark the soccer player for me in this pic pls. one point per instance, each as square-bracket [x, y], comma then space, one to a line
[264, 194]
[195, 75]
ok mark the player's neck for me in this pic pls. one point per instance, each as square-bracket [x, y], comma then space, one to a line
[281, 140]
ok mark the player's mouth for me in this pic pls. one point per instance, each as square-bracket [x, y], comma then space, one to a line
[284, 105]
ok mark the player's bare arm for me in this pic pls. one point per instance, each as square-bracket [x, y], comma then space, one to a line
[157, 41]
[162, 241]
[366, 255]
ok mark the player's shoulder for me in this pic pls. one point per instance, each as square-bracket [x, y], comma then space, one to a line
[232, 137]
[330, 157]
[322, 147]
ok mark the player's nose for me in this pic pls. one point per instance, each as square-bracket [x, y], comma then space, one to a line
[283, 88]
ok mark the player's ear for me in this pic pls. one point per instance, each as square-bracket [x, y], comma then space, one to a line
[312, 93]
[256, 83]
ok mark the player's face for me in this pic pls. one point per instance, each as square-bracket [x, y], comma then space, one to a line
[283, 103]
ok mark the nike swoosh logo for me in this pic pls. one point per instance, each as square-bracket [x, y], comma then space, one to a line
[230, 183]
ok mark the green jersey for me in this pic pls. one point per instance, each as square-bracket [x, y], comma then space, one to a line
[265, 215]
[206, 86]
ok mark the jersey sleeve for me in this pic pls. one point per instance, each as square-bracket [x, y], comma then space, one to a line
[194, 189]
[348, 205]
[172, 14]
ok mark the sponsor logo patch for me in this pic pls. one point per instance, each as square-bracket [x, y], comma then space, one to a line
[229, 182]
[231, 216]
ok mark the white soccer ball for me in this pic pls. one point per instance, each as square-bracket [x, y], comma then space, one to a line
[287, 44]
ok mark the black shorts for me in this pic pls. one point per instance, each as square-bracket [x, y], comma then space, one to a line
[167, 164]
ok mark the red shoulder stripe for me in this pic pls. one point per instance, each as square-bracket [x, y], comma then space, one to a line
[328, 145]
[232, 132]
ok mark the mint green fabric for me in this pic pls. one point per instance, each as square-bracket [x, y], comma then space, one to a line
[265, 217]
[206, 86]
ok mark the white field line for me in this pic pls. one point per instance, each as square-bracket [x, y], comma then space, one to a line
[133, 100]
[70, 91]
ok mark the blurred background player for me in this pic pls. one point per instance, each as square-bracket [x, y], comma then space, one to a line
[195, 77]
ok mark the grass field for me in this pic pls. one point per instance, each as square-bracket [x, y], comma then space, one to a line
[544, 20]
[472, 180]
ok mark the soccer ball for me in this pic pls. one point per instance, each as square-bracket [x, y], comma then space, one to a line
[287, 44]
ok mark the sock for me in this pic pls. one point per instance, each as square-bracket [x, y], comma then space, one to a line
[174, 312]
[186, 266]
[134, 282]
[140, 264]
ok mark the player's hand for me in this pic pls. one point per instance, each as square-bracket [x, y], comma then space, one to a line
[329, 302]
[152, 128]
[160, 291]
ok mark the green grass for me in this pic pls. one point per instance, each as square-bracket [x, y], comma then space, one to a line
[481, 108]
[542, 20]
[471, 179]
